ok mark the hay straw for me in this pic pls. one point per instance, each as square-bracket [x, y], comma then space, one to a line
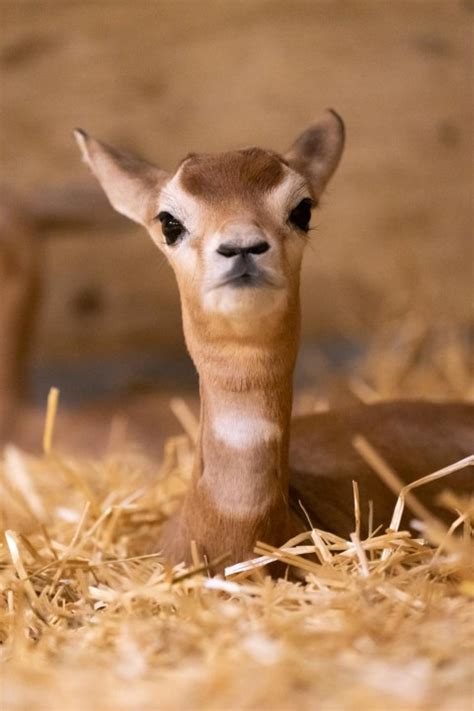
[89, 620]
[18, 477]
[435, 527]
[106, 626]
[51, 411]
[185, 417]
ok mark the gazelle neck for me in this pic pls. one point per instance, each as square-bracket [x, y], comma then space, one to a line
[239, 488]
[243, 447]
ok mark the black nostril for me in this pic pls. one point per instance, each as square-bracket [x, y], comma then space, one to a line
[232, 250]
[228, 250]
[259, 248]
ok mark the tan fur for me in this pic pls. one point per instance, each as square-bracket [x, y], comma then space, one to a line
[414, 437]
[244, 344]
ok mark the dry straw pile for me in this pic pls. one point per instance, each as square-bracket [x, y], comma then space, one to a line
[87, 621]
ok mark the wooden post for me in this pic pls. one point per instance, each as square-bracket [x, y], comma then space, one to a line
[19, 300]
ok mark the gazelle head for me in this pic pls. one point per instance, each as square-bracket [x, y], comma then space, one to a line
[233, 227]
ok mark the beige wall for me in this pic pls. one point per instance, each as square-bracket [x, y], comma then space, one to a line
[166, 78]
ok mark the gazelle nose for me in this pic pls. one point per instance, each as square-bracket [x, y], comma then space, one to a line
[233, 250]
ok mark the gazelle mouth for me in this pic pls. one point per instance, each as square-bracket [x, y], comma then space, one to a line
[246, 278]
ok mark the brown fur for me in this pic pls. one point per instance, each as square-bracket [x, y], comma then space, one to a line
[221, 535]
[415, 438]
[262, 470]
[240, 486]
[243, 174]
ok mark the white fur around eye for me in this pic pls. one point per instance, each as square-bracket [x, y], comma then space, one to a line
[179, 203]
[285, 196]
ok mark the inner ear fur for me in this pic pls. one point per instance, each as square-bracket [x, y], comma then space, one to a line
[317, 151]
[131, 184]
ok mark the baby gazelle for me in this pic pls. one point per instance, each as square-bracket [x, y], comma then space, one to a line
[234, 228]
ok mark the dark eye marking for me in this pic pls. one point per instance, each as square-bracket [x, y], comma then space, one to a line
[172, 228]
[300, 216]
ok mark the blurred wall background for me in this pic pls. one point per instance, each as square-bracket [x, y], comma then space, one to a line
[165, 77]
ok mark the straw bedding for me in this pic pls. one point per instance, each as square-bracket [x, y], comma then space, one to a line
[88, 621]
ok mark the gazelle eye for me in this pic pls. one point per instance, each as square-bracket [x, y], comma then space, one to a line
[300, 216]
[171, 227]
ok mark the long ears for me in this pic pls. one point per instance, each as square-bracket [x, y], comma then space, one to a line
[130, 184]
[316, 153]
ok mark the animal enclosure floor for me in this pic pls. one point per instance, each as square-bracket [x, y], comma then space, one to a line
[90, 621]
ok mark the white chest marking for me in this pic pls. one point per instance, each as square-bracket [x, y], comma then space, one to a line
[250, 490]
[242, 432]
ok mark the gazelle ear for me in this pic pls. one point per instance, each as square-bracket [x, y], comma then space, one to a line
[317, 152]
[130, 184]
